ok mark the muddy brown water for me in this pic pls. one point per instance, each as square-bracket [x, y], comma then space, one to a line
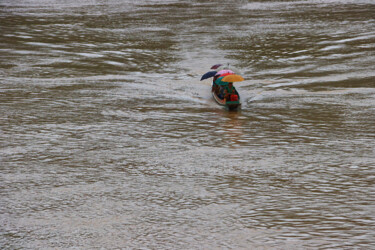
[109, 140]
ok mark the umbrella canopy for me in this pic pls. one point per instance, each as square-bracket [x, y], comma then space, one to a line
[226, 74]
[224, 71]
[232, 78]
[208, 75]
[216, 66]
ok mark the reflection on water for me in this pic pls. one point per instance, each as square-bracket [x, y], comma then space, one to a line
[231, 128]
[108, 138]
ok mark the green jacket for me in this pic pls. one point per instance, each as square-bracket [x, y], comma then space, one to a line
[230, 91]
[219, 82]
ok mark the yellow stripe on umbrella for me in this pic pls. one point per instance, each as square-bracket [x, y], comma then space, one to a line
[232, 78]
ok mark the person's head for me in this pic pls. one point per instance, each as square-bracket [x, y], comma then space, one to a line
[230, 84]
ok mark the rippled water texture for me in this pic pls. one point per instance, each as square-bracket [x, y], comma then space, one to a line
[109, 140]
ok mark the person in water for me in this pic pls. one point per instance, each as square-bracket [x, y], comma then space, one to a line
[229, 91]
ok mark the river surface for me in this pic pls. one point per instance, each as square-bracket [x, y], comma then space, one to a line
[108, 138]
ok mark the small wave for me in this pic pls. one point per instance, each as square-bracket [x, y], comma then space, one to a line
[117, 113]
[46, 45]
[115, 63]
[333, 47]
[196, 99]
[358, 38]
[271, 5]
[26, 52]
[91, 55]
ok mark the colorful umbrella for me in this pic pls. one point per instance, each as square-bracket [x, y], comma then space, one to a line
[226, 74]
[208, 75]
[224, 71]
[232, 78]
[216, 66]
